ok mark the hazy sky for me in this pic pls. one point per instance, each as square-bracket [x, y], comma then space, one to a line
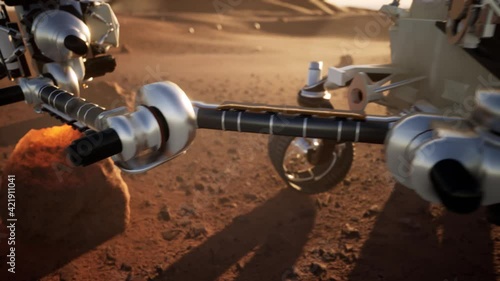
[371, 4]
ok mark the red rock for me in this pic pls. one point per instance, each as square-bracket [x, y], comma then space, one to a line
[61, 211]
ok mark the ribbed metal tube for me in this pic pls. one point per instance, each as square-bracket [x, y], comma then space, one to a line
[339, 129]
[75, 107]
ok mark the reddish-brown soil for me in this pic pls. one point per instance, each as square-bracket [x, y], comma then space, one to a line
[231, 216]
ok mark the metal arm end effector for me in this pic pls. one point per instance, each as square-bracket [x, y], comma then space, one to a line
[453, 161]
[141, 140]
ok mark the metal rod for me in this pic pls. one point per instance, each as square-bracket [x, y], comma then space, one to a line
[74, 107]
[340, 129]
[398, 84]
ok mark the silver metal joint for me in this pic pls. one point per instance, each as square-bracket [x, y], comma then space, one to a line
[487, 112]
[143, 133]
[32, 87]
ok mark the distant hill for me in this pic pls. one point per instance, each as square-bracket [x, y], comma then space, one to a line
[306, 7]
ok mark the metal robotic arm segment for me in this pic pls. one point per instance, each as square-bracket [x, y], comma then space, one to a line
[424, 147]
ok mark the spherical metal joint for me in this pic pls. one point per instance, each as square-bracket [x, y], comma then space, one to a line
[487, 111]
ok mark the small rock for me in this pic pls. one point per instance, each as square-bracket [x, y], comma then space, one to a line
[250, 196]
[347, 182]
[325, 255]
[187, 211]
[289, 274]
[374, 210]
[218, 26]
[326, 200]
[329, 256]
[210, 189]
[347, 258]
[125, 49]
[241, 219]
[333, 278]
[350, 232]
[199, 186]
[337, 205]
[318, 252]
[196, 231]
[191, 30]
[158, 269]
[348, 247]
[125, 267]
[66, 274]
[240, 266]
[184, 223]
[317, 269]
[224, 200]
[146, 203]
[170, 235]
[110, 258]
[186, 188]
[256, 25]
[164, 213]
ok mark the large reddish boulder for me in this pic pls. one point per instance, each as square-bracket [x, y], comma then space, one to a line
[57, 204]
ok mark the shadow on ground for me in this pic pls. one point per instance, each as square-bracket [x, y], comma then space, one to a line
[273, 234]
[404, 244]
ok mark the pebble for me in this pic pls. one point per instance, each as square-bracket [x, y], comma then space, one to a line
[240, 266]
[290, 274]
[191, 30]
[350, 232]
[333, 278]
[348, 258]
[374, 210]
[196, 231]
[110, 258]
[256, 25]
[158, 269]
[170, 235]
[146, 203]
[164, 213]
[199, 186]
[186, 210]
[125, 49]
[125, 267]
[210, 189]
[250, 196]
[348, 247]
[317, 269]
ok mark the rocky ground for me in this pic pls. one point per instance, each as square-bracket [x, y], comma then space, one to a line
[221, 212]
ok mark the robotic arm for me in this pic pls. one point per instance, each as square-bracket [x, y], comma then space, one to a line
[452, 160]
